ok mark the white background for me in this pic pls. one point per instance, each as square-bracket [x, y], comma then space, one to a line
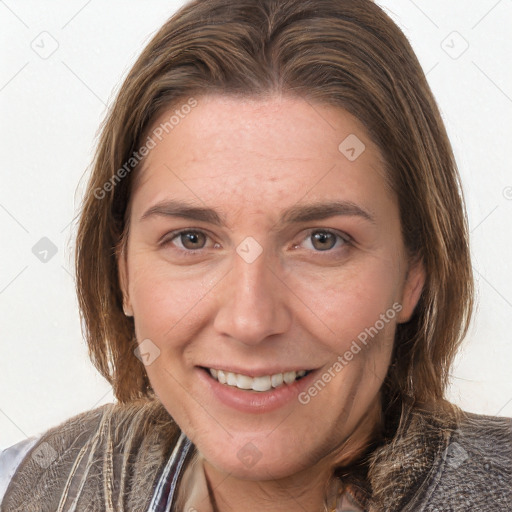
[50, 111]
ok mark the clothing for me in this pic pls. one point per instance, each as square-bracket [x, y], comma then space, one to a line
[10, 459]
[133, 457]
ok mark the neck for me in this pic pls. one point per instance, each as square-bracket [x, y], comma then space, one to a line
[302, 491]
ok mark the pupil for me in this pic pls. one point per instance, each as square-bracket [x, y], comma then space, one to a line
[323, 237]
[190, 240]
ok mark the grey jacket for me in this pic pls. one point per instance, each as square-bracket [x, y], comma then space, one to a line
[129, 457]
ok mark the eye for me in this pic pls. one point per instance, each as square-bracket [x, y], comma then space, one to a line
[322, 240]
[187, 240]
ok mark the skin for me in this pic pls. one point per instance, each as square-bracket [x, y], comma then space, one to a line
[299, 303]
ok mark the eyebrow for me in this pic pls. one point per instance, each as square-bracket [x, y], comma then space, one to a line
[293, 215]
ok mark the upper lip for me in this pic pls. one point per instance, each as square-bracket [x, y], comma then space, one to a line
[257, 372]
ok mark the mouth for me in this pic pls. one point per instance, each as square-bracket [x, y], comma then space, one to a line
[259, 384]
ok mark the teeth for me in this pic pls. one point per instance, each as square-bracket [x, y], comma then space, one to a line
[242, 381]
[265, 383]
[261, 383]
[276, 380]
[289, 377]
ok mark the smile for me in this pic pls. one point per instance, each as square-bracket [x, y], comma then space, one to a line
[263, 383]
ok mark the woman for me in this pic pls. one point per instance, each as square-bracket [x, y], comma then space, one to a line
[274, 275]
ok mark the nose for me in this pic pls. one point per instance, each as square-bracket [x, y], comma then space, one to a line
[252, 302]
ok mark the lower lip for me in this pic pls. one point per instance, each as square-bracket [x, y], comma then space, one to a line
[256, 401]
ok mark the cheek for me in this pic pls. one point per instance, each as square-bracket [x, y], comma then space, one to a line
[164, 301]
[349, 303]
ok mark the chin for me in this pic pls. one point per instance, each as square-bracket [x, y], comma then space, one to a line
[266, 467]
[260, 457]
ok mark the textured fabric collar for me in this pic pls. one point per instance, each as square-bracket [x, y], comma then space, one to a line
[401, 469]
[167, 486]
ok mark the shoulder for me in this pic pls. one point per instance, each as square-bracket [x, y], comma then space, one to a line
[487, 434]
[486, 445]
[475, 467]
[481, 445]
[95, 457]
[10, 459]
[444, 458]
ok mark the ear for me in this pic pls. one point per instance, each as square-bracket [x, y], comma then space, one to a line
[411, 292]
[123, 280]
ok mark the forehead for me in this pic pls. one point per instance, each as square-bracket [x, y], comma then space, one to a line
[259, 153]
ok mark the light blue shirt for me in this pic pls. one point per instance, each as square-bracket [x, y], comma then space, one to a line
[10, 459]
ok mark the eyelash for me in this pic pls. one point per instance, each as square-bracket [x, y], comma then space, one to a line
[345, 239]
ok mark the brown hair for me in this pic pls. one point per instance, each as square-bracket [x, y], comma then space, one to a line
[343, 53]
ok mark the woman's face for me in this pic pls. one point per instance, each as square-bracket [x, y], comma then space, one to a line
[264, 240]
